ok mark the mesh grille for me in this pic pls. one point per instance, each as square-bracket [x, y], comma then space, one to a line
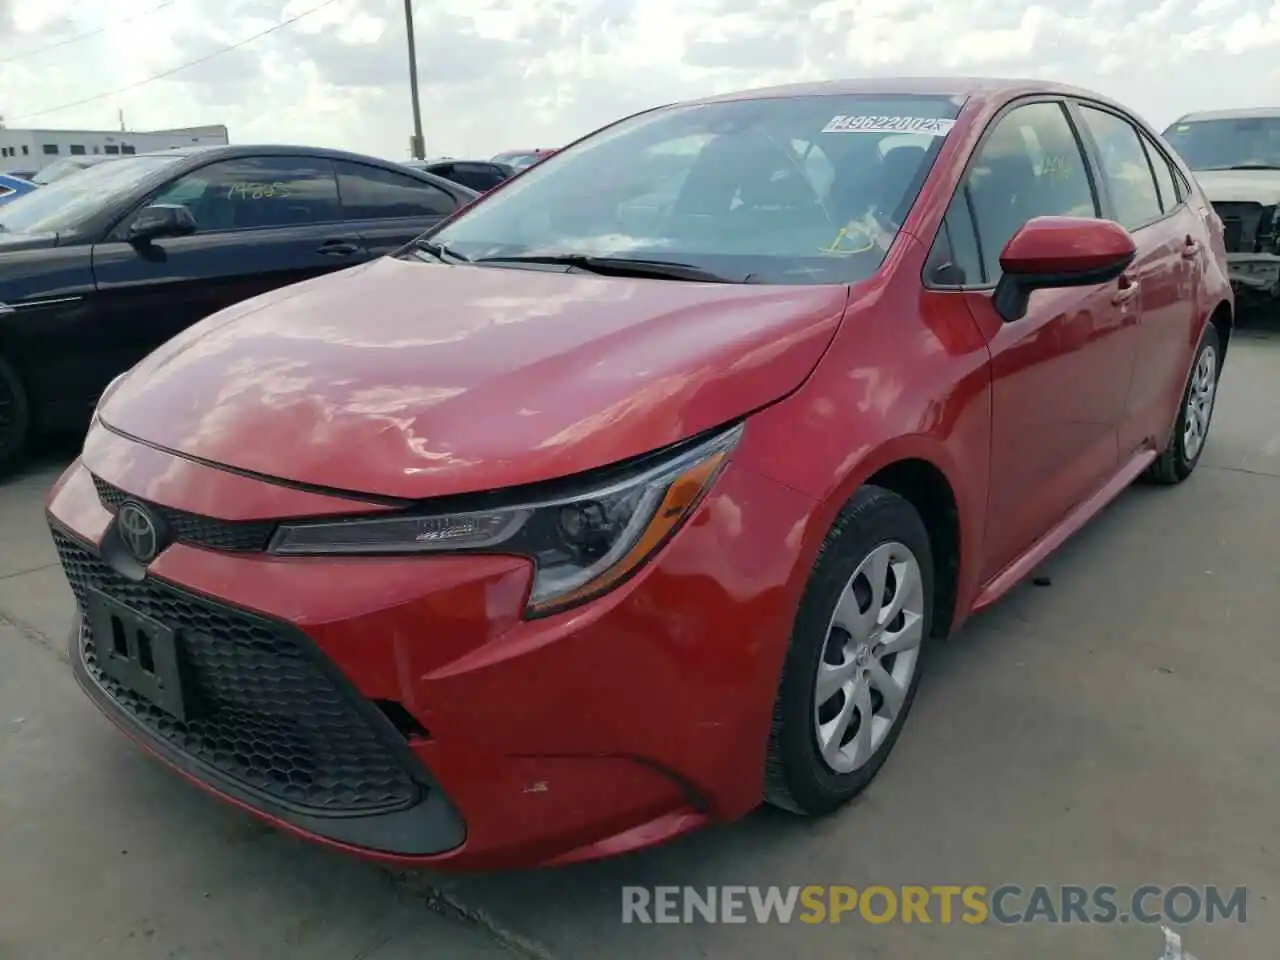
[267, 715]
[230, 536]
[1243, 225]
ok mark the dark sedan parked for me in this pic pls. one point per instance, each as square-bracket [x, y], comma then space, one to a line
[99, 269]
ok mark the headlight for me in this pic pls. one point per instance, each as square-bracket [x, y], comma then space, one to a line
[581, 545]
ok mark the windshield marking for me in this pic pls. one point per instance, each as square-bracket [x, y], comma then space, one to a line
[936, 127]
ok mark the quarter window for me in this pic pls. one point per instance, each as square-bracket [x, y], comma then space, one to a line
[257, 192]
[955, 260]
[371, 193]
[1030, 165]
[1125, 168]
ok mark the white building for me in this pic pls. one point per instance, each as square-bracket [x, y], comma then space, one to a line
[26, 151]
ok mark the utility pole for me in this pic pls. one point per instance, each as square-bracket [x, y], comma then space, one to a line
[417, 148]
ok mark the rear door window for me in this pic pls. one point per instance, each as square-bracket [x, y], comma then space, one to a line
[1125, 167]
[477, 176]
[1170, 195]
[372, 193]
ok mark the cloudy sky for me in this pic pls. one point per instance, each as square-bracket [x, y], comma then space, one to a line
[522, 73]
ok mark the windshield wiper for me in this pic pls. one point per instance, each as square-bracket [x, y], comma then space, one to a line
[441, 251]
[625, 267]
[1249, 166]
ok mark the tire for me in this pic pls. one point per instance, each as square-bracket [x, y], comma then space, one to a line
[15, 416]
[1180, 456]
[875, 524]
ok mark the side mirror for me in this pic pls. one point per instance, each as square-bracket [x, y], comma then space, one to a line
[1054, 252]
[161, 220]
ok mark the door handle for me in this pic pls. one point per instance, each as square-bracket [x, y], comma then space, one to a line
[1129, 289]
[337, 248]
[1190, 248]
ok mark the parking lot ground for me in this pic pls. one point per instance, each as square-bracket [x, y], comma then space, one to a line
[1115, 727]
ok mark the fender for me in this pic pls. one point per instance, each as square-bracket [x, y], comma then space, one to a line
[869, 405]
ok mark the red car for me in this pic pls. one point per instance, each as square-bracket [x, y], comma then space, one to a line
[637, 493]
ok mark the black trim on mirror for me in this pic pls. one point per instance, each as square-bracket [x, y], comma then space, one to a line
[1013, 291]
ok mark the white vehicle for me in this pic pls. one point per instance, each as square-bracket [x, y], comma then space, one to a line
[1235, 155]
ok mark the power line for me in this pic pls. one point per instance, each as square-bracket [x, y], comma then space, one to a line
[84, 36]
[186, 66]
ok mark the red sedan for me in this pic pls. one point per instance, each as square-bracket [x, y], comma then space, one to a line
[638, 493]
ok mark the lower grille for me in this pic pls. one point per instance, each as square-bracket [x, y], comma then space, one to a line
[232, 536]
[1247, 227]
[269, 716]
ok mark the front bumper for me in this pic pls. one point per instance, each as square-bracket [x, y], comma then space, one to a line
[1254, 276]
[598, 730]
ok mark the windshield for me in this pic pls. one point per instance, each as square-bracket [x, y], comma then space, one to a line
[1222, 144]
[70, 201]
[796, 190]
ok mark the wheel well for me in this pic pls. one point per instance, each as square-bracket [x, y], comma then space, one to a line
[1222, 320]
[926, 488]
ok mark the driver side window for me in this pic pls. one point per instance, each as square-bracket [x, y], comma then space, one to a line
[1030, 165]
[256, 192]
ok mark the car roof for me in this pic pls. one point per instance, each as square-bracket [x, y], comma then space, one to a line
[985, 88]
[1250, 113]
[231, 151]
[448, 161]
[262, 150]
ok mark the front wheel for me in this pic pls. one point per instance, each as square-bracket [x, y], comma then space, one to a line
[15, 416]
[1195, 412]
[854, 662]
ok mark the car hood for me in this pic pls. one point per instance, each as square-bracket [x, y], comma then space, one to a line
[1240, 186]
[14, 242]
[408, 379]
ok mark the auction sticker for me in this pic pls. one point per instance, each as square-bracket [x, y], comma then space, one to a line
[933, 126]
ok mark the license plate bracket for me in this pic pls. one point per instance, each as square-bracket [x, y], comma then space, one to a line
[138, 652]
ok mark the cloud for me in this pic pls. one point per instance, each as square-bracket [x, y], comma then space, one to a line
[496, 74]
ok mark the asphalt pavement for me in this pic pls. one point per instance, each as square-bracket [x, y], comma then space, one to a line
[1115, 726]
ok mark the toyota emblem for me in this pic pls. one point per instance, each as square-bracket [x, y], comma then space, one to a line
[138, 531]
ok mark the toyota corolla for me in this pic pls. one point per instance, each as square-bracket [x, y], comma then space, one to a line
[637, 493]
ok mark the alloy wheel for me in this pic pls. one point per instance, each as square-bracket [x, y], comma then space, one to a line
[869, 658]
[1200, 397]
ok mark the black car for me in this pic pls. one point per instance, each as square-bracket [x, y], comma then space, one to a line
[99, 269]
[480, 175]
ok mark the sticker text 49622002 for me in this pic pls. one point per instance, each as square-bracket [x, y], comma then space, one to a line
[933, 126]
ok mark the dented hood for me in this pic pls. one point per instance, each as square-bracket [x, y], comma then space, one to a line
[413, 380]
